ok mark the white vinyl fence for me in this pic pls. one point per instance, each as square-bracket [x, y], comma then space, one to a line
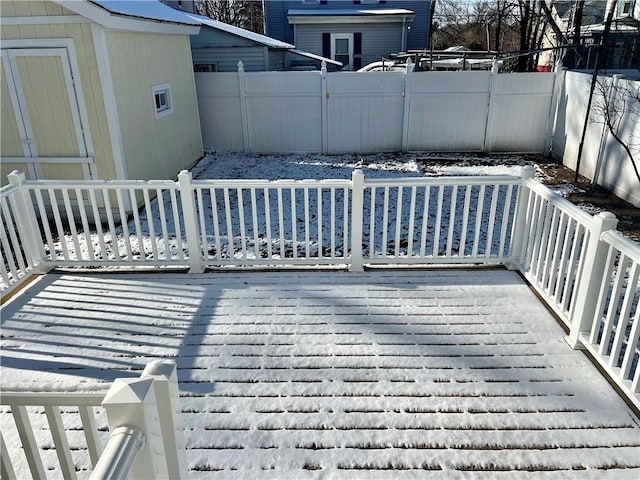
[371, 112]
[603, 159]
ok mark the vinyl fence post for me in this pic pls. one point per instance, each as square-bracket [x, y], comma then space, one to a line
[556, 97]
[518, 240]
[407, 98]
[488, 126]
[324, 102]
[357, 206]
[190, 222]
[590, 279]
[243, 108]
[26, 222]
[131, 403]
[165, 376]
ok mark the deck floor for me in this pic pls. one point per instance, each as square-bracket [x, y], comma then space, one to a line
[383, 374]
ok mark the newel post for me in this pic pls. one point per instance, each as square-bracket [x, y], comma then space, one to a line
[190, 222]
[518, 240]
[26, 221]
[131, 408]
[165, 376]
[357, 206]
[590, 279]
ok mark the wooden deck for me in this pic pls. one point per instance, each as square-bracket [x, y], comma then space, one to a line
[384, 374]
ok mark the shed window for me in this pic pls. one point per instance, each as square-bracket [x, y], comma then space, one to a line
[162, 100]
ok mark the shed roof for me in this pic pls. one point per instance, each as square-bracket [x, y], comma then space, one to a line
[146, 9]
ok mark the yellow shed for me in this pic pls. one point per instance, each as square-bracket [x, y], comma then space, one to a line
[97, 90]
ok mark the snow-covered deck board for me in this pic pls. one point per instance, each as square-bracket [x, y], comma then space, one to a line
[334, 374]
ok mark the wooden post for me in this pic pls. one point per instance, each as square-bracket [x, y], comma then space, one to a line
[520, 220]
[357, 205]
[131, 403]
[26, 222]
[590, 279]
[165, 376]
[190, 222]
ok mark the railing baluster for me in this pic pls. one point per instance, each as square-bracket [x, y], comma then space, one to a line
[85, 223]
[42, 214]
[88, 419]
[243, 233]
[345, 223]
[506, 215]
[267, 213]
[150, 224]
[97, 221]
[627, 295]
[559, 245]
[551, 241]
[319, 221]
[603, 300]
[112, 226]
[294, 222]
[572, 268]
[6, 467]
[563, 273]
[254, 216]
[136, 223]
[163, 224]
[372, 222]
[305, 192]
[334, 226]
[231, 243]
[202, 221]
[492, 219]
[478, 222]
[176, 224]
[436, 235]
[6, 246]
[465, 220]
[385, 219]
[28, 440]
[281, 223]
[60, 441]
[412, 221]
[452, 219]
[123, 224]
[58, 222]
[213, 194]
[398, 223]
[72, 224]
[425, 221]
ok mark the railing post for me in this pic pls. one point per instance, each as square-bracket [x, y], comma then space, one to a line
[520, 220]
[357, 206]
[165, 376]
[132, 403]
[590, 279]
[190, 222]
[26, 222]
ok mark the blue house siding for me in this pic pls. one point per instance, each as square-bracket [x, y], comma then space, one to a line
[277, 24]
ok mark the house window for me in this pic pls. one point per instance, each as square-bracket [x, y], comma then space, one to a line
[626, 8]
[162, 101]
[342, 49]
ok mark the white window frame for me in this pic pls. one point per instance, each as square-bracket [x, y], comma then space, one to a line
[340, 36]
[163, 110]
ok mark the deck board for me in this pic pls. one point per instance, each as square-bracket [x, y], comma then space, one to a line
[392, 373]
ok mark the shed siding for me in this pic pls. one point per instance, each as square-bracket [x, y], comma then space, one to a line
[82, 38]
[155, 148]
[227, 58]
[378, 40]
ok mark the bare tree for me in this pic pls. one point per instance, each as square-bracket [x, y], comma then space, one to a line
[614, 103]
[246, 14]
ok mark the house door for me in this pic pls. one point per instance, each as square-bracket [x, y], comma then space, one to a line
[41, 122]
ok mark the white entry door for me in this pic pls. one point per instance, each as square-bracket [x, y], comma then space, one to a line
[42, 126]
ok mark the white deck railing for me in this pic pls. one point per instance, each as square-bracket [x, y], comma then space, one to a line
[585, 272]
[146, 439]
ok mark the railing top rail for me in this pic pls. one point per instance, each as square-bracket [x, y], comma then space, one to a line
[281, 183]
[7, 190]
[569, 208]
[622, 243]
[99, 184]
[448, 180]
[43, 399]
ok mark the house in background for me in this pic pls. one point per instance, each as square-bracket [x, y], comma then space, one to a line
[184, 5]
[97, 90]
[355, 32]
[219, 46]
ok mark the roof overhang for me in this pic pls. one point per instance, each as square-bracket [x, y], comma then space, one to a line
[146, 16]
[348, 15]
[313, 56]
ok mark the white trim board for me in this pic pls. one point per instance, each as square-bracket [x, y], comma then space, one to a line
[44, 20]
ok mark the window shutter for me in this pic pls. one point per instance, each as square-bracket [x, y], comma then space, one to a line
[326, 45]
[323, 2]
[357, 50]
[382, 1]
[356, 2]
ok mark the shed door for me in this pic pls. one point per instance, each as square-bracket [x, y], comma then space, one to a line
[46, 118]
